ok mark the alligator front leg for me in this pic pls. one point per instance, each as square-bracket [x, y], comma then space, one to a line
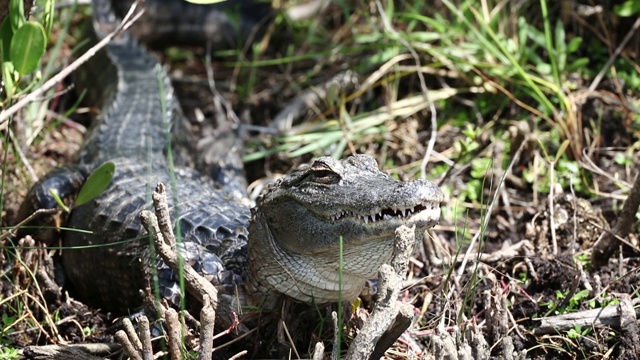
[66, 182]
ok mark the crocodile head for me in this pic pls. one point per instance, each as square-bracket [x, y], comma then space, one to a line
[298, 222]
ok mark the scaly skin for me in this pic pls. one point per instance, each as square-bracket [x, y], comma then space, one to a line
[297, 224]
[293, 233]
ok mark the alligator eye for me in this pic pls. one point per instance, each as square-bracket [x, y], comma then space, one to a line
[325, 176]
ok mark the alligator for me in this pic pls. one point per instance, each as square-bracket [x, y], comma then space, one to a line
[287, 245]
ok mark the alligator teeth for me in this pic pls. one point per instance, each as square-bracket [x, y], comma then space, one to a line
[384, 214]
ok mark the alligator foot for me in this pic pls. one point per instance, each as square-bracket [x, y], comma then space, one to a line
[66, 183]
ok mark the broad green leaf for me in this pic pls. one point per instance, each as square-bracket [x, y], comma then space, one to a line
[574, 44]
[27, 47]
[99, 179]
[56, 197]
[16, 14]
[627, 8]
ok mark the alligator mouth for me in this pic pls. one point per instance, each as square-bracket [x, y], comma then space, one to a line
[428, 208]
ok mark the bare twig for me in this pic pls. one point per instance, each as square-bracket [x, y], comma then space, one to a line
[137, 345]
[12, 230]
[145, 338]
[174, 333]
[131, 333]
[614, 56]
[336, 336]
[127, 346]
[196, 284]
[207, 319]
[318, 351]
[239, 355]
[71, 351]
[606, 316]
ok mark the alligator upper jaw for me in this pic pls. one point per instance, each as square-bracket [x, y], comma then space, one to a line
[422, 215]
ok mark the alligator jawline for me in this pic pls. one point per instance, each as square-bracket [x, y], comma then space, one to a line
[384, 214]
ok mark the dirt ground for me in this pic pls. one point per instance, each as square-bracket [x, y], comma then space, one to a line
[509, 278]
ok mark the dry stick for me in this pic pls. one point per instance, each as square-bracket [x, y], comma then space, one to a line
[629, 326]
[196, 284]
[290, 339]
[71, 351]
[24, 160]
[608, 316]
[239, 355]
[390, 317]
[127, 346]
[160, 227]
[174, 331]
[336, 336]
[131, 333]
[318, 351]
[607, 243]
[614, 56]
[136, 345]
[127, 21]
[145, 338]
[12, 230]
[208, 320]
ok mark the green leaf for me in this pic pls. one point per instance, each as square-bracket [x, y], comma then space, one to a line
[627, 8]
[7, 77]
[574, 44]
[577, 65]
[47, 15]
[27, 47]
[99, 179]
[424, 36]
[561, 150]
[561, 45]
[58, 200]
[480, 167]
[16, 14]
